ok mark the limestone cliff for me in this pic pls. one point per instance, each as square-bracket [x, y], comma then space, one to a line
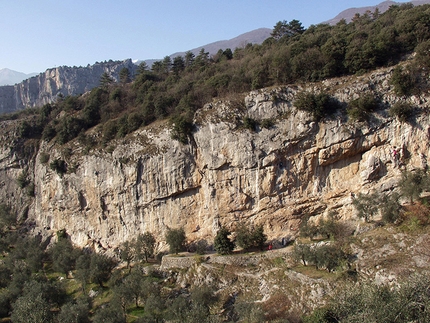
[148, 182]
[45, 87]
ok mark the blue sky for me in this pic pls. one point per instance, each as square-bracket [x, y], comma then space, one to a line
[40, 34]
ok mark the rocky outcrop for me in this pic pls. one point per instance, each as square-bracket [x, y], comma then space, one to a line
[148, 182]
[46, 87]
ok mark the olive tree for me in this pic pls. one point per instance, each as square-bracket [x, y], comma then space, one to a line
[176, 238]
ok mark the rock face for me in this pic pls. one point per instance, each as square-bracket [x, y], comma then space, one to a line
[45, 87]
[274, 176]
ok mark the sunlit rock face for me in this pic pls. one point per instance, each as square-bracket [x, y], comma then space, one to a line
[227, 173]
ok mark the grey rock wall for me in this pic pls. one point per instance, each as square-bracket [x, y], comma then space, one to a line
[45, 87]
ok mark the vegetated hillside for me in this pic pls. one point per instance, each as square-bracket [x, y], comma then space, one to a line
[310, 162]
[180, 87]
[257, 36]
[348, 14]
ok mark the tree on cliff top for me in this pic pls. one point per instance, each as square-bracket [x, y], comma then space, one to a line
[289, 29]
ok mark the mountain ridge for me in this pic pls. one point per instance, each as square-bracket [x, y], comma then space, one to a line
[348, 14]
[11, 77]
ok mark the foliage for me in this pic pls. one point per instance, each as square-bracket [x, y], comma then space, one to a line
[366, 205]
[63, 256]
[182, 128]
[176, 239]
[422, 54]
[7, 217]
[390, 207]
[222, 243]
[106, 80]
[250, 123]
[328, 256]
[201, 247]
[30, 309]
[59, 166]
[145, 246]
[77, 311]
[155, 307]
[326, 227]
[413, 183]
[36, 301]
[410, 302]
[124, 76]
[44, 158]
[401, 110]
[267, 123]
[405, 83]
[301, 253]
[22, 179]
[360, 109]
[100, 268]
[287, 29]
[319, 105]
[132, 288]
[127, 253]
[30, 251]
[249, 311]
[250, 236]
[82, 273]
[111, 313]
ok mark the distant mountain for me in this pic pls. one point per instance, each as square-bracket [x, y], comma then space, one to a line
[10, 77]
[348, 14]
[256, 36]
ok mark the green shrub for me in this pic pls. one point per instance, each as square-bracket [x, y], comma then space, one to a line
[175, 238]
[22, 179]
[59, 166]
[329, 257]
[401, 110]
[319, 105]
[405, 83]
[248, 237]
[366, 205]
[413, 183]
[49, 133]
[301, 253]
[267, 123]
[68, 129]
[110, 130]
[250, 123]
[306, 228]
[182, 128]
[222, 243]
[360, 109]
[408, 302]
[422, 56]
[390, 207]
[44, 158]
[116, 94]
[202, 247]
